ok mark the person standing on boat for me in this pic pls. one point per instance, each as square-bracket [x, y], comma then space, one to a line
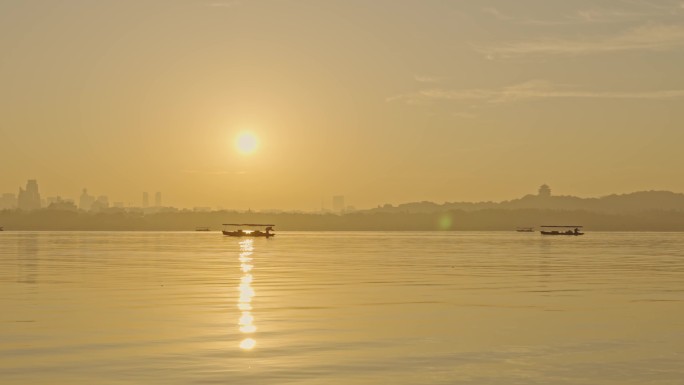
[576, 230]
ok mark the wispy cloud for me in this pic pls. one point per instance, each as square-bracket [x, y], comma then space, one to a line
[600, 15]
[500, 15]
[635, 10]
[645, 38]
[427, 79]
[663, 6]
[532, 90]
[224, 4]
[625, 11]
[497, 13]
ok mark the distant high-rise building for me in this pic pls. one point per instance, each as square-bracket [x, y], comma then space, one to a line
[157, 199]
[544, 191]
[29, 199]
[8, 201]
[86, 201]
[51, 200]
[338, 203]
[101, 203]
[57, 203]
[146, 200]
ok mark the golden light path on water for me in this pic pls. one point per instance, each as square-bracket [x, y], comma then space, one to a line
[246, 321]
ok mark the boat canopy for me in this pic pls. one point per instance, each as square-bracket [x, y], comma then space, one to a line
[563, 226]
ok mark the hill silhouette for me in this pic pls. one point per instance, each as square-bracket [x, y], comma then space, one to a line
[624, 203]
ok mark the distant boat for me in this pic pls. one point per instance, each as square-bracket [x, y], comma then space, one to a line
[202, 228]
[250, 230]
[561, 230]
[525, 229]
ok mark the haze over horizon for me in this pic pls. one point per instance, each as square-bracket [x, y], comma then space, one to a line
[265, 104]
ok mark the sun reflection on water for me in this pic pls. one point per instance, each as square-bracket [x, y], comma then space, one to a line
[246, 321]
[247, 343]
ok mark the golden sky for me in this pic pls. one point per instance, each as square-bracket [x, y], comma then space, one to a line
[383, 101]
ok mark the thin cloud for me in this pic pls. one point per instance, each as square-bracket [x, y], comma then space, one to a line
[427, 79]
[598, 15]
[645, 38]
[630, 11]
[640, 10]
[224, 4]
[497, 13]
[664, 6]
[528, 91]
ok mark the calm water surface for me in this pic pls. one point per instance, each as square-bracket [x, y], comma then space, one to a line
[341, 308]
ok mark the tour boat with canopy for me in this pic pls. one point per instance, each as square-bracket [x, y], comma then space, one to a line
[247, 230]
[561, 230]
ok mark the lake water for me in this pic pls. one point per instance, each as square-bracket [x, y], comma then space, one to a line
[341, 308]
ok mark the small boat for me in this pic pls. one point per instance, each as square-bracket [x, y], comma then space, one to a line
[250, 230]
[525, 229]
[202, 228]
[561, 230]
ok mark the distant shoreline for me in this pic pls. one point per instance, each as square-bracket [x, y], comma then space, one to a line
[330, 231]
[454, 220]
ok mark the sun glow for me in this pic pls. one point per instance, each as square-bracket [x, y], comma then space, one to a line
[246, 142]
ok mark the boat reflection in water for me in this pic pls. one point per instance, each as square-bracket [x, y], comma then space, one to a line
[246, 322]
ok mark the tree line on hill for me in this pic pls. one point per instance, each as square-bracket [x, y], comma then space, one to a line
[623, 203]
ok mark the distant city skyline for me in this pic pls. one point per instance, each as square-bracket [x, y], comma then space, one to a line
[29, 198]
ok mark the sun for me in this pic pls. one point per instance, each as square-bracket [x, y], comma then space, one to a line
[246, 142]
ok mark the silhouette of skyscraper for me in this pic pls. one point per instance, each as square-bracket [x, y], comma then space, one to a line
[100, 204]
[338, 203]
[29, 199]
[146, 200]
[86, 201]
[157, 199]
[8, 201]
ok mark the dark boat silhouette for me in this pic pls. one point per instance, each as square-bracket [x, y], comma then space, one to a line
[561, 230]
[252, 230]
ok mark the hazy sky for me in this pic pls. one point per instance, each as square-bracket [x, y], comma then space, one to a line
[380, 101]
